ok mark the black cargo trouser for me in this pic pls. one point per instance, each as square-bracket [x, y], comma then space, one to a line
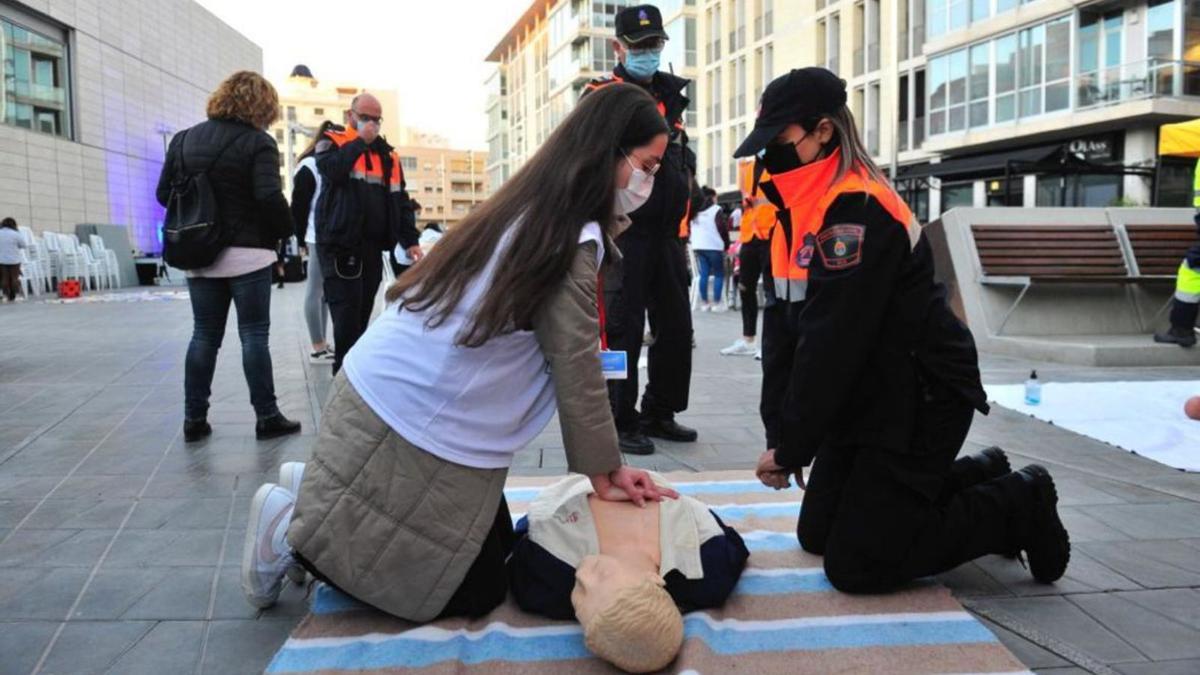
[653, 271]
[882, 518]
[350, 288]
[754, 260]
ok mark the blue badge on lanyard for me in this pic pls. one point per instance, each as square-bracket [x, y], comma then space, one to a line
[614, 365]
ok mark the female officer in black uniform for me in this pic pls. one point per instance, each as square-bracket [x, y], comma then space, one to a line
[876, 377]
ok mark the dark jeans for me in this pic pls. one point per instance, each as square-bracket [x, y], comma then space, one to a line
[755, 262]
[653, 273]
[882, 518]
[486, 583]
[251, 295]
[712, 263]
[10, 281]
[350, 292]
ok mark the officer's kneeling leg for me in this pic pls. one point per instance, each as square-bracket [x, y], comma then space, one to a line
[822, 496]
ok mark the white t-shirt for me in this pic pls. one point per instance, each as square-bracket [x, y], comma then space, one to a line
[11, 243]
[705, 236]
[471, 406]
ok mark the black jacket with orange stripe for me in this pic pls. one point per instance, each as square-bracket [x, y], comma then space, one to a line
[363, 202]
[660, 215]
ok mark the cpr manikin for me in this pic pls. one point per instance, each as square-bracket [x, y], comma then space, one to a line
[625, 573]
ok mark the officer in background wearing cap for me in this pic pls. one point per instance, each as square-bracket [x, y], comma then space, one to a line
[654, 269]
[867, 370]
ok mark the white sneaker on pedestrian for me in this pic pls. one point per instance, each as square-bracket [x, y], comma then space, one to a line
[266, 555]
[321, 358]
[719, 308]
[290, 475]
[758, 354]
[739, 348]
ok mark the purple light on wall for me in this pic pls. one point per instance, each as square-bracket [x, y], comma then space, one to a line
[131, 198]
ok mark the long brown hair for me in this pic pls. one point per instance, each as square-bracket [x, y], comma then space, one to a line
[318, 136]
[568, 183]
[854, 155]
[245, 96]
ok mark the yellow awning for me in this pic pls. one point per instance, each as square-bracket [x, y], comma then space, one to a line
[1181, 139]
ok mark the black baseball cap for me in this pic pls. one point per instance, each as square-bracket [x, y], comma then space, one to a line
[801, 95]
[640, 22]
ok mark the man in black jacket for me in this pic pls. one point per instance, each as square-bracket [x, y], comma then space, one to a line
[654, 269]
[363, 211]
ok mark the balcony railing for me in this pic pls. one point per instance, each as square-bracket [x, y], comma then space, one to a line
[1151, 78]
[40, 94]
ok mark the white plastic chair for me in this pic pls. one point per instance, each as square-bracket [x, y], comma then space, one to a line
[41, 255]
[53, 247]
[695, 289]
[93, 269]
[107, 258]
[32, 276]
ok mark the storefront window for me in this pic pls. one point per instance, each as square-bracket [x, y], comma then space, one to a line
[1086, 190]
[36, 94]
[957, 194]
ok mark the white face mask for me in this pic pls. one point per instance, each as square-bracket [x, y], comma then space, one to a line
[631, 197]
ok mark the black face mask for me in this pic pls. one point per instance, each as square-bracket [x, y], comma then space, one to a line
[780, 158]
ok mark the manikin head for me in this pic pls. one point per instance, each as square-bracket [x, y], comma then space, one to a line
[628, 617]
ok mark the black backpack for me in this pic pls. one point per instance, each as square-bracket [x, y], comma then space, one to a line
[193, 234]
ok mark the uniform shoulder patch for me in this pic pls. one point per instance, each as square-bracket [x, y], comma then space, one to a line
[840, 246]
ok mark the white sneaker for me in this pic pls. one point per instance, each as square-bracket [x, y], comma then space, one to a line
[739, 348]
[290, 475]
[719, 308]
[758, 354]
[321, 358]
[266, 555]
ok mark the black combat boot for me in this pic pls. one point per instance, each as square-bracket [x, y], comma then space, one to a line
[1043, 537]
[1183, 321]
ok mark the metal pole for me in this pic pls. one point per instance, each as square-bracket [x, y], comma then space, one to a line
[895, 117]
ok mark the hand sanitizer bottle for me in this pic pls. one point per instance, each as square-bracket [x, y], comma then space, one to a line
[1033, 390]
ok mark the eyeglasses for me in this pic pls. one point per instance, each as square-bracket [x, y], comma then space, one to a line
[368, 118]
[653, 169]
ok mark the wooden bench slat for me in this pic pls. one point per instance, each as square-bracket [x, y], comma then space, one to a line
[1068, 252]
[1055, 262]
[1041, 228]
[1162, 236]
[1039, 244]
[1027, 271]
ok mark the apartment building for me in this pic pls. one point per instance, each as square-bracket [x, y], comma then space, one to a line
[447, 182]
[973, 102]
[549, 54]
[306, 102]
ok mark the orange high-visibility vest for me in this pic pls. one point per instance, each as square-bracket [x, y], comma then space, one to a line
[369, 167]
[807, 193]
[685, 225]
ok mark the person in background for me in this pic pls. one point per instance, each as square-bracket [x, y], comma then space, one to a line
[400, 259]
[1186, 305]
[362, 212]
[402, 505]
[754, 261]
[11, 243]
[432, 233]
[880, 380]
[710, 238]
[242, 162]
[654, 267]
[306, 185]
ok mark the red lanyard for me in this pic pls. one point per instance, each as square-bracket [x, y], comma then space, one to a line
[600, 306]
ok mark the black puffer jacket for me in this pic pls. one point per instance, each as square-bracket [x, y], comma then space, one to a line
[245, 179]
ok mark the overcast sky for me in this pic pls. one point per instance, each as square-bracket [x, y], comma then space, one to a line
[430, 51]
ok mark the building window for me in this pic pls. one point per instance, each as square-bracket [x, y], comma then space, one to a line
[903, 117]
[1160, 46]
[833, 42]
[873, 119]
[37, 93]
[872, 35]
[279, 135]
[957, 194]
[740, 91]
[1099, 57]
[1006, 78]
[945, 16]
[318, 111]
[408, 163]
[737, 35]
[977, 114]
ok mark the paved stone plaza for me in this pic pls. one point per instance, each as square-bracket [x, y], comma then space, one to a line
[120, 546]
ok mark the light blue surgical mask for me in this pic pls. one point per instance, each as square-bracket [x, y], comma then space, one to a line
[642, 64]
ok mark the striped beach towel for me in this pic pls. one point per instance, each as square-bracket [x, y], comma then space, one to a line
[784, 617]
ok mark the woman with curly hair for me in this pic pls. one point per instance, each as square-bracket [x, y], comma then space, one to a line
[242, 163]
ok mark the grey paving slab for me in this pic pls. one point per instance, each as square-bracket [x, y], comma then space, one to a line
[1065, 622]
[169, 647]
[236, 647]
[87, 647]
[172, 548]
[1185, 667]
[971, 580]
[1157, 637]
[45, 593]
[1153, 564]
[1030, 654]
[21, 644]
[1181, 605]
